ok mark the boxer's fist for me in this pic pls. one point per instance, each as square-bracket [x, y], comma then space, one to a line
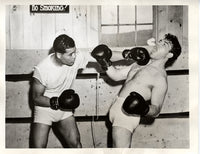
[135, 104]
[139, 54]
[67, 100]
[102, 54]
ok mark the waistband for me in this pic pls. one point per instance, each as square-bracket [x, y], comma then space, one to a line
[119, 98]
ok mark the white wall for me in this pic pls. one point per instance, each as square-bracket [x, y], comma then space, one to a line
[25, 30]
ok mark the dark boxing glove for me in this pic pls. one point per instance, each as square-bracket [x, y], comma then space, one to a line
[102, 54]
[139, 54]
[67, 100]
[135, 104]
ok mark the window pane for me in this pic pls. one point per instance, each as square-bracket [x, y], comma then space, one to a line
[144, 27]
[109, 39]
[126, 39]
[144, 32]
[109, 29]
[125, 35]
[144, 14]
[126, 14]
[109, 15]
[126, 29]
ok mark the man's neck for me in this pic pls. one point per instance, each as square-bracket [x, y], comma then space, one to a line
[160, 64]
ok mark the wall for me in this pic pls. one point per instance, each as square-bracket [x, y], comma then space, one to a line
[27, 30]
[174, 19]
[29, 39]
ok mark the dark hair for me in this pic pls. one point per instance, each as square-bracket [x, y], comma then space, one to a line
[63, 42]
[176, 49]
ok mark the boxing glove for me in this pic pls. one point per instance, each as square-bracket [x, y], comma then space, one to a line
[67, 100]
[102, 54]
[135, 104]
[139, 54]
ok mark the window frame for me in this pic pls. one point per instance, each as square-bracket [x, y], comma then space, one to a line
[135, 24]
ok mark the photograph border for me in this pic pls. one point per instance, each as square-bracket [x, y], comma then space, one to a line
[193, 38]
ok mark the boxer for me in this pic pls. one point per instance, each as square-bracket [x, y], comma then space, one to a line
[145, 81]
[53, 98]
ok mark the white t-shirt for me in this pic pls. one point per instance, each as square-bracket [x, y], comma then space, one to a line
[55, 78]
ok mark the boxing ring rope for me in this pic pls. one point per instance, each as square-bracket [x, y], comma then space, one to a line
[21, 120]
[26, 77]
[95, 117]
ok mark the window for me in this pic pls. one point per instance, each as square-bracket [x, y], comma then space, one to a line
[122, 26]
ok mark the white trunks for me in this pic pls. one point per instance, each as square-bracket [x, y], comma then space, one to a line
[47, 115]
[118, 118]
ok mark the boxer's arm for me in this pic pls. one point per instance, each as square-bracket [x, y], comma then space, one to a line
[158, 95]
[37, 94]
[116, 56]
[118, 74]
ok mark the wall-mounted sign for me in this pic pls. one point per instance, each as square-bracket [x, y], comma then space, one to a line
[49, 8]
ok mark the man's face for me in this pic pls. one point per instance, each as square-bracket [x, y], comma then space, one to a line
[68, 57]
[161, 49]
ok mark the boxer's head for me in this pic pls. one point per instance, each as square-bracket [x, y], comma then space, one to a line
[65, 49]
[175, 50]
[168, 47]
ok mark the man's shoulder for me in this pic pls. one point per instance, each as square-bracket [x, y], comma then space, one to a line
[45, 66]
[158, 76]
[160, 81]
[45, 62]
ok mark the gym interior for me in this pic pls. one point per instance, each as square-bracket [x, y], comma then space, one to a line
[29, 39]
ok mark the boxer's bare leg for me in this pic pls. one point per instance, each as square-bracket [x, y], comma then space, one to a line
[40, 133]
[121, 137]
[69, 130]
